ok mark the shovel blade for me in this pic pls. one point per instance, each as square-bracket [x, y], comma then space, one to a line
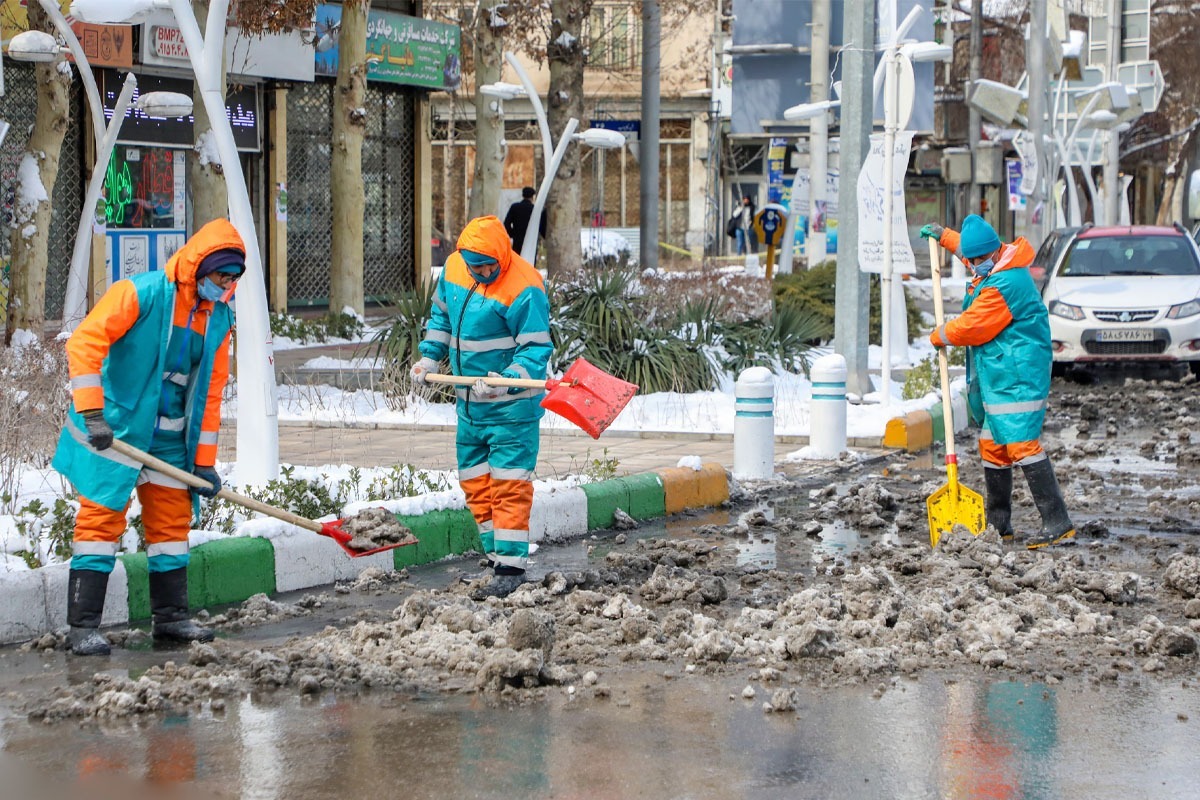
[334, 531]
[589, 397]
[954, 504]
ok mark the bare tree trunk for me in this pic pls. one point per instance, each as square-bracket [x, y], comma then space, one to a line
[35, 188]
[567, 57]
[206, 178]
[349, 126]
[489, 120]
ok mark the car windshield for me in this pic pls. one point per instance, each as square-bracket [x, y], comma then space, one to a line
[1130, 255]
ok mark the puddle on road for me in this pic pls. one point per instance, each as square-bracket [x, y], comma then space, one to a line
[664, 735]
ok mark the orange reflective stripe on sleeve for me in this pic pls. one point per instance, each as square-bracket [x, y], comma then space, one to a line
[982, 322]
[206, 448]
[114, 314]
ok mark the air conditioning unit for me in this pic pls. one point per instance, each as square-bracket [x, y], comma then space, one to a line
[956, 165]
[989, 163]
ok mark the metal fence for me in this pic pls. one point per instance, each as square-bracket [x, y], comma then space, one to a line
[18, 107]
[388, 252]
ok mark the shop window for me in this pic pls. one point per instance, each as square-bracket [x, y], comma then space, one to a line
[145, 188]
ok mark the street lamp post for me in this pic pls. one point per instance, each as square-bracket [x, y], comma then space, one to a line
[258, 428]
[40, 46]
[553, 154]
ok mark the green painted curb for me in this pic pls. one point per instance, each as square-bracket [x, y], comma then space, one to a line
[137, 573]
[439, 533]
[603, 499]
[937, 413]
[647, 496]
[229, 571]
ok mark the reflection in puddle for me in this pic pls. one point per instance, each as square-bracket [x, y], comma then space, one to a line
[840, 539]
[757, 550]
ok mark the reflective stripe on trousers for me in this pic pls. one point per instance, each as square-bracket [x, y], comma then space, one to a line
[166, 517]
[495, 471]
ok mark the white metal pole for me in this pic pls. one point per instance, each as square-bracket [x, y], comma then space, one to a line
[538, 110]
[818, 150]
[890, 104]
[529, 246]
[258, 426]
[1112, 150]
[75, 304]
[75, 298]
[754, 424]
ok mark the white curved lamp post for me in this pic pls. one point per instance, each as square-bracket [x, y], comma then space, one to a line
[258, 427]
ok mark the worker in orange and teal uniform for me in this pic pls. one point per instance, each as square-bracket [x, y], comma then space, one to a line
[147, 365]
[1006, 327]
[490, 316]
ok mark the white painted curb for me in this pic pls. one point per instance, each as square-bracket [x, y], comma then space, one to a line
[558, 514]
[304, 560]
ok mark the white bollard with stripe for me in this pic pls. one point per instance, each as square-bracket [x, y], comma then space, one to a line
[827, 414]
[754, 425]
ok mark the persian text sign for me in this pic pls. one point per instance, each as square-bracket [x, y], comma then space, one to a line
[400, 49]
[872, 189]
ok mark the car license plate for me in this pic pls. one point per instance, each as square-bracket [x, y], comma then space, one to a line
[1125, 335]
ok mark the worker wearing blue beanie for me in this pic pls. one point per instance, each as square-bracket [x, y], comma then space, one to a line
[1007, 330]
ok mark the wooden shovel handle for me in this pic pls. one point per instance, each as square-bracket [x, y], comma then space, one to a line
[935, 263]
[468, 380]
[172, 471]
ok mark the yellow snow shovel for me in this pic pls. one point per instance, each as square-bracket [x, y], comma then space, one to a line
[952, 504]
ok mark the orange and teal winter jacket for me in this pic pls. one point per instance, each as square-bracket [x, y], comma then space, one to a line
[121, 360]
[502, 326]
[1007, 328]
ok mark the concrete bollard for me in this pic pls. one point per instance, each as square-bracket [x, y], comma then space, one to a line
[754, 425]
[827, 414]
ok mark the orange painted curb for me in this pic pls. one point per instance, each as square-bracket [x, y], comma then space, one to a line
[686, 488]
[913, 432]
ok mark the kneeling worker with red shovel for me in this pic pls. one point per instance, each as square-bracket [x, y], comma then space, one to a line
[491, 316]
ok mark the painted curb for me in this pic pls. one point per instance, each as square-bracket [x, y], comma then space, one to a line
[231, 570]
[916, 431]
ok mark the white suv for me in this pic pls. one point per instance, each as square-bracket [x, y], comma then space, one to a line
[1125, 294]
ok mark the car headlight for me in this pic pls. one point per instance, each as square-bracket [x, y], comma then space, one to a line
[1189, 309]
[1065, 310]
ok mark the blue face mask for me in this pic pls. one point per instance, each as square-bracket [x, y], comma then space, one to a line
[983, 269]
[485, 281]
[209, 290]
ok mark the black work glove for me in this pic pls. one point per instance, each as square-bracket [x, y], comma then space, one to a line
[99, 432]
[208, 474]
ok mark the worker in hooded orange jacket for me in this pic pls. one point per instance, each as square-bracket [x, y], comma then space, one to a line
[148, 365]
[1005, 326]
[490, 316]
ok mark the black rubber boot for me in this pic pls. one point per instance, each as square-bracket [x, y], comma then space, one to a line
[506, 581]
[86, 589]
[169, 607]
[998, 483]
[1056, 523]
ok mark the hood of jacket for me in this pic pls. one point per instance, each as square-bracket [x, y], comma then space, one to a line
[181, 268]
[487, 235]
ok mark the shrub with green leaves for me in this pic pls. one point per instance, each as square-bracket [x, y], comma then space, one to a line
[814, 290]
[318, 330]
[395, 345]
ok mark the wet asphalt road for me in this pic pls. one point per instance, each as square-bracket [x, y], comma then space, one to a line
[664, 731]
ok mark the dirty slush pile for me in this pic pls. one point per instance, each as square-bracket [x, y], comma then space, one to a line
[973, 603]
[1106, 610]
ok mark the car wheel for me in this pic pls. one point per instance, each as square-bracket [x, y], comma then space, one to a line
[1058, 369]
[1194, 366]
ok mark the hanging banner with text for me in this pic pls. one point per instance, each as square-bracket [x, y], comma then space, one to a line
[871, 195]
[776, 153]
[400, 49]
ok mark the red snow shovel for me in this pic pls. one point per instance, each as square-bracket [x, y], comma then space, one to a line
[331, 529]
[585, 395]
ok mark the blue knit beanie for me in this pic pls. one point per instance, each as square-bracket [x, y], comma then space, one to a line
[978, 238]
[474, 259]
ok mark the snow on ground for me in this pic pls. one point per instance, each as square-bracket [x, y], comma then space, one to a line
[668, 412]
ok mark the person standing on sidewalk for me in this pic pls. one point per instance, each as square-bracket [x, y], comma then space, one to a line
[747, 240]
[147, 365]
[516, 221]
[1006, 327]
[490, 316]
